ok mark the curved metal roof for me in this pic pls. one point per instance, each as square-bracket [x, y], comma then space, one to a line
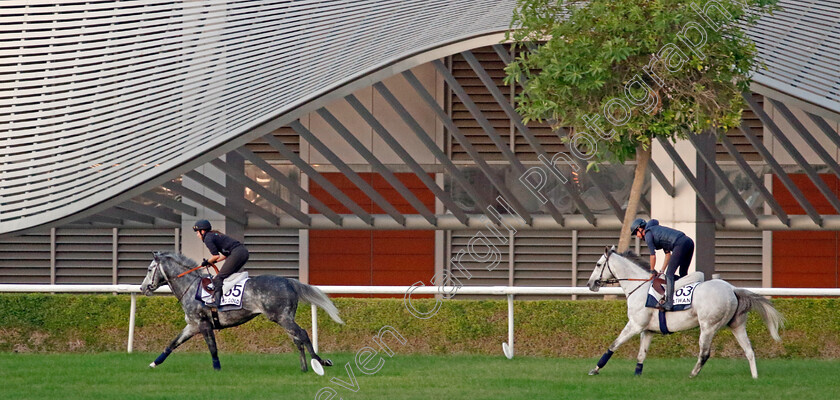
[103, 96]
[108, 97]
[800, 46]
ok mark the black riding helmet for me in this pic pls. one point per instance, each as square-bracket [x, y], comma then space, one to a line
[638, 223]
[202, 225]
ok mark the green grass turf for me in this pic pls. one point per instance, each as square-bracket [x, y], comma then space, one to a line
[262, 376]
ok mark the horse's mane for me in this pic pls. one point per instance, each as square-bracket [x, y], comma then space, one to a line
[636, 259]
[180, 259]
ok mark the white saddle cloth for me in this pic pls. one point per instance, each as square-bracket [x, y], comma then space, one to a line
[232, 290]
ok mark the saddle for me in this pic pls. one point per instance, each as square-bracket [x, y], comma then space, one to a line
[656, 294]
[659, 282]
[658, 285]
[206, 284]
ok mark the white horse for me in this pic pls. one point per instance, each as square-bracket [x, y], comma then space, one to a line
[716, 303]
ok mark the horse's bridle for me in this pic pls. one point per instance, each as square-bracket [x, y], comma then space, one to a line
[600, 281]
[166, 278]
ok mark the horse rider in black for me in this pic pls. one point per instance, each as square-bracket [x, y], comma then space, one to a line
[223, 248]
[679, 250]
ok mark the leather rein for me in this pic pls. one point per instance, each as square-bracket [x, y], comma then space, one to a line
[615, 279]
[159, 268]
[198, 267]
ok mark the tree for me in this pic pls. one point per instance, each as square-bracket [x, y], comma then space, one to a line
[624, 72]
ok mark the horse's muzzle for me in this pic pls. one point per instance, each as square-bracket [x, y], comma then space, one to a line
[595, 286]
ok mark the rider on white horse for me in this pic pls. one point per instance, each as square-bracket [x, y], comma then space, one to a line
[679, 250]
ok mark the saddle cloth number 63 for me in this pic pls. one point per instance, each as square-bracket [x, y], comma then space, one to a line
[684, 294]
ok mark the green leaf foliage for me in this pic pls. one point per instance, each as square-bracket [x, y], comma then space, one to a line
[589, 65]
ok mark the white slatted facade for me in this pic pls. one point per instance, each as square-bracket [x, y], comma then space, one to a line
[285, 135]
[26, 258]
[466, 123]
[273, 251]
[135, 247]
[739, 140]
[499, 276]
[591, 246]
[540, 258]
[543, 258]
[738, 257]
[84, 256]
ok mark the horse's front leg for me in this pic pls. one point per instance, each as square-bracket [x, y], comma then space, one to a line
[629, 331]
[646, 337]
[206, 329]
[188, 332]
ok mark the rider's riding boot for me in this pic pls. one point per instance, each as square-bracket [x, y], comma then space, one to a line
[669, 293]
[217, 296]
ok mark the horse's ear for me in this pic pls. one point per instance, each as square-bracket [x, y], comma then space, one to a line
[612, 248]
[607, 249]
[156, 255]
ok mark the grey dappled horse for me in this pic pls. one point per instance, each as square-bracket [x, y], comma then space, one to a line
[716, 303]
[274, 296]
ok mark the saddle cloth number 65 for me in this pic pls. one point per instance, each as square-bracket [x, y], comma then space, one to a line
[233, 296]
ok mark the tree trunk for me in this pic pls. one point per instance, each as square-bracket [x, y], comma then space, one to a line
[642, 158]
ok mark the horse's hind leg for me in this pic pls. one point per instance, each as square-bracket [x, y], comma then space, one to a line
[706, 336]
[301, 339]
[206, 329]
[740, 332]
[646, 337]
[188, 332]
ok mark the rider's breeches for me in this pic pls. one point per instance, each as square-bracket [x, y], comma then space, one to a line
[233, 263]
[681, 257]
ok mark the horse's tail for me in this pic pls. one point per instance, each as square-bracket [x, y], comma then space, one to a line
[315, 296]
[748, 300]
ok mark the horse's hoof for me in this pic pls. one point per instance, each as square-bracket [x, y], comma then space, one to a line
[152, 365]
[327, 363]
[593, 372]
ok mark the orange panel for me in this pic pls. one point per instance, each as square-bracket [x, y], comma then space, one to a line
[814, 196]
[339, 257]
[805, 258]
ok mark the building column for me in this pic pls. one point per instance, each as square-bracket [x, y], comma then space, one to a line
[685, 211]
[704, 239]
[191, 245]
[236, 190]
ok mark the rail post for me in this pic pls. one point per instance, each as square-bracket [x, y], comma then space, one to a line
[131, 317]
[315, 328]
